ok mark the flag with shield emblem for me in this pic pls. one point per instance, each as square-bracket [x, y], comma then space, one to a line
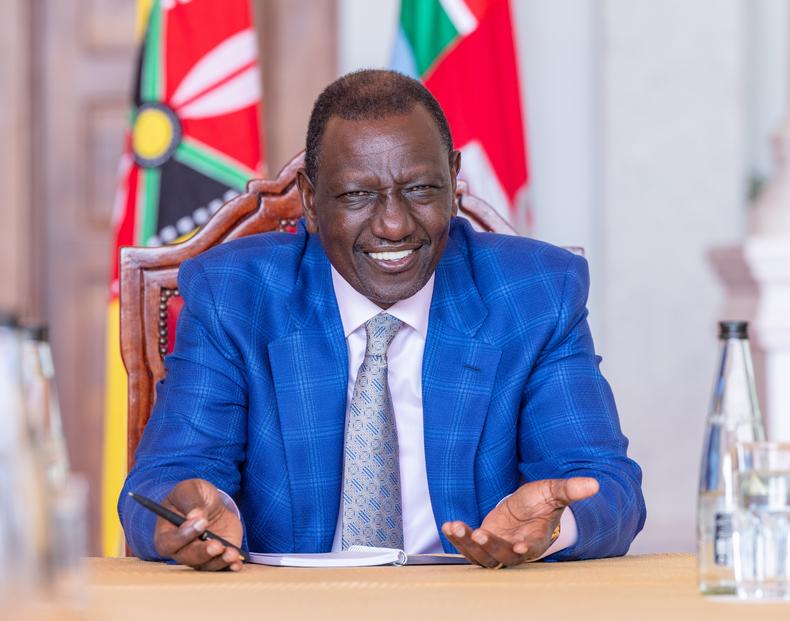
[194, 140]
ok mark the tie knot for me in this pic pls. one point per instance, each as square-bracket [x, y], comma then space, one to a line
[381, 329]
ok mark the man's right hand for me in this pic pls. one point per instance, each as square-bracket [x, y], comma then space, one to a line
[203, 506]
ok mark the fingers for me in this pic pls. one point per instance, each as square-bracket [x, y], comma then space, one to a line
[460, 535]
[523, 526]
[169, 539]
[184, 545]
[480, 546]
[222, 558]
[203, 508]
[501, 550]
[209, 555]
[567, 491]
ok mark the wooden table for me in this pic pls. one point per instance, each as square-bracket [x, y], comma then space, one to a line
[631, 588]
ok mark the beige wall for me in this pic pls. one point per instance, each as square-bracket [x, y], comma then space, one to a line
[297, 39]
[16, 258]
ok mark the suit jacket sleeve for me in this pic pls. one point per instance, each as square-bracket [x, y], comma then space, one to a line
[569, 427]
[198, 425]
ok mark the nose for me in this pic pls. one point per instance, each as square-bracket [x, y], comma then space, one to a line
[393, 220]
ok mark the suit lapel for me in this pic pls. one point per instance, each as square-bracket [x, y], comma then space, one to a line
[459, 368]
[310, 372]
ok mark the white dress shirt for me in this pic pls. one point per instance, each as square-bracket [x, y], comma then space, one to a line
[404, 377]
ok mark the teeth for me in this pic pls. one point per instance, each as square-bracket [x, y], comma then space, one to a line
[390, 256]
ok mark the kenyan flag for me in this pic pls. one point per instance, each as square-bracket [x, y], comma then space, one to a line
[194, 141]
[463, 52]
[194, 138]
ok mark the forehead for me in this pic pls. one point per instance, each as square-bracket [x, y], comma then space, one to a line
[397, 141]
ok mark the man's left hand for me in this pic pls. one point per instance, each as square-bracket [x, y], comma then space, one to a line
[521, 527]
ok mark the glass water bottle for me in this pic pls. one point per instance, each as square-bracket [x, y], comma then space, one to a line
[43, 409]
[66, 493]
[734, 417]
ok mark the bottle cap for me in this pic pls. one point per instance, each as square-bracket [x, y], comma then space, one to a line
[36, 331]
[733, 329]
[8, 319]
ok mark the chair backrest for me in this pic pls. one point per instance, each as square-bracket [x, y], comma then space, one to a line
[149, 298]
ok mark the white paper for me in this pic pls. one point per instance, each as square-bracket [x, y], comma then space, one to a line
[355, 556]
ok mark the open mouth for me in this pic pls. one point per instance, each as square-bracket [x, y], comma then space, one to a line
[390, 256]
[392, 260]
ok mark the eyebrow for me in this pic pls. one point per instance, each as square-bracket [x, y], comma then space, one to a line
[369, 180]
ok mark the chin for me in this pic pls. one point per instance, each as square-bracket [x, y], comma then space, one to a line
[392, 297]
[399, 287]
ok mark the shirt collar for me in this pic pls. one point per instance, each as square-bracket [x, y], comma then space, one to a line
[356, 309]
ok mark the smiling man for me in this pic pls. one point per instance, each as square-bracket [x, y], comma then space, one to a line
[386, 376]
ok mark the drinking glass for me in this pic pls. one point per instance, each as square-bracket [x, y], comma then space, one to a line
[68, 531]
[761, 523]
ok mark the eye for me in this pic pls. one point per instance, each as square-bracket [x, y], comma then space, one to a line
[422, 192]
[355, 194]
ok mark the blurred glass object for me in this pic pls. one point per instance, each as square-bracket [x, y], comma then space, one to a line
[42, 506]
[761, 533]
[68, 520]
[734, 417]
[42, 405]
[24, 530]
[62, 575]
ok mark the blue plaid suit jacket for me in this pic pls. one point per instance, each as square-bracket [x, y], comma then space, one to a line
[255, 395]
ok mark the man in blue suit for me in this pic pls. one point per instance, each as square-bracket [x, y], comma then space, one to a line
[386, 375]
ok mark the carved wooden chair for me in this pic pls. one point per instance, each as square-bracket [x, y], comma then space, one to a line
[149, 298]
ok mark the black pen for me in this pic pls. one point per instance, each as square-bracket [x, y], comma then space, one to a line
[178, 520]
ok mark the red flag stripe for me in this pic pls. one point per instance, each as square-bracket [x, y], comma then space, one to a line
[477, 85]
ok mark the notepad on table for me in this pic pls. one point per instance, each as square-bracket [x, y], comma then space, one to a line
[356, 556]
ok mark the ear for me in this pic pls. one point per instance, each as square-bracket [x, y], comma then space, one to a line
[307, 197]
[455, 168]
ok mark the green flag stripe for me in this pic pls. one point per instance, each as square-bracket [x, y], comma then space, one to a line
[216, 165]
[428, 30]
[151, 181]
[152, 80]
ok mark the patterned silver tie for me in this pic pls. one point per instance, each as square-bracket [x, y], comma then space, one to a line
[371, 473]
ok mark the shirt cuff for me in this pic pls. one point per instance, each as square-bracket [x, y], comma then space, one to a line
[230, 504]
[569, 534]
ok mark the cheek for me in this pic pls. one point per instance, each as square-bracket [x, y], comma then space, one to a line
[438, 227]
[339, 240]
